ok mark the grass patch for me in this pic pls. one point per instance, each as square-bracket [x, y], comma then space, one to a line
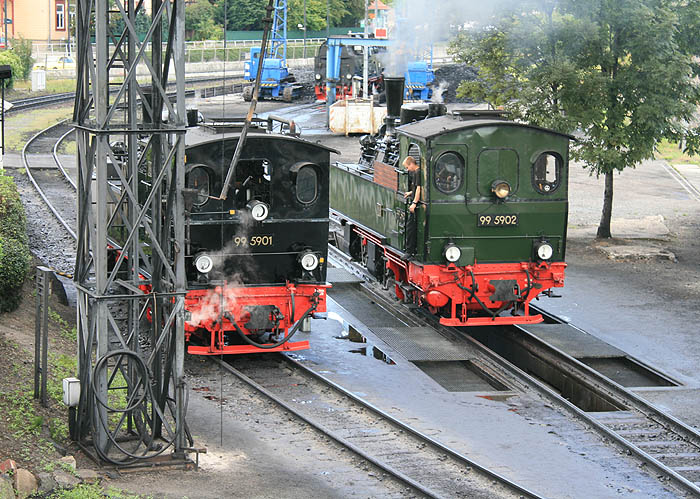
[52, 86]
[68, 146]
[66, 330]
[91, 491]
[670, 152]
[20, 127]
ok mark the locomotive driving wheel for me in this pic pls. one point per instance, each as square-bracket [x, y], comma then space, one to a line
[365, 255]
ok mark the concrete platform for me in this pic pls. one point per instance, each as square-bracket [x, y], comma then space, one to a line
[573, 341]
[341, 276]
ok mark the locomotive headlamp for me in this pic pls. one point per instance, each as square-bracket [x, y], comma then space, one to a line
[544, 250]
[348, 76]
[500, 188]
[203, 263]
[309, 261]
[258, 210]
[452, 253]
[318, 76]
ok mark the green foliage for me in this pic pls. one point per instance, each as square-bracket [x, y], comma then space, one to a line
[248, 14]
[241, 15]
[620, 72]
[341, 13]
[23, 48]
[14, 253]
[199, 21]
[9, 57]
[91, 491]
[12, 219]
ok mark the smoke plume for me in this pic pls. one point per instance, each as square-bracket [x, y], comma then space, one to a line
[418, 24]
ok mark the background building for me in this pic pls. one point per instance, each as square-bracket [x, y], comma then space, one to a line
[37, 20]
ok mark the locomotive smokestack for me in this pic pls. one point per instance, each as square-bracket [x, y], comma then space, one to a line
[393, 87]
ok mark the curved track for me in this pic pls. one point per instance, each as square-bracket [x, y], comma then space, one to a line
[49, 177]
[397, 449]
[665, 445]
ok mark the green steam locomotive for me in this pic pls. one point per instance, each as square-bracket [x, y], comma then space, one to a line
[491, 218]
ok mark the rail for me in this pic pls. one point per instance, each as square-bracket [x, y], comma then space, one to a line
[442, 463]
[36, 185]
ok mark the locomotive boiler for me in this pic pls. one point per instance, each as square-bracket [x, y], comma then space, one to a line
[490, 222]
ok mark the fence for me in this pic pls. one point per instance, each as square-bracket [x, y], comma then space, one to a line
[195, 51]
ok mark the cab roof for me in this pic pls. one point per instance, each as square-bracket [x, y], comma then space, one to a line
[199, 135]
[433, 127]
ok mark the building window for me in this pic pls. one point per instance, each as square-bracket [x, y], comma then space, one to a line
[60, 16]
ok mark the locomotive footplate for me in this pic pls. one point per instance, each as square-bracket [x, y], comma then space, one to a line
[219, 318]
[476, 295]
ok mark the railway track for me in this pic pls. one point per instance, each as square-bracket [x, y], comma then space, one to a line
[48, 100]
[665, 445]
[50, 179]
[413, 458]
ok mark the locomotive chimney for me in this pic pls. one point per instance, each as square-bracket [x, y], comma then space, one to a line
[393, 87]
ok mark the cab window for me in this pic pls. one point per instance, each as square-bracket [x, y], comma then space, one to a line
[414, 150]
[546, 172]
[198, 179]
[448, 173]
[307, 184]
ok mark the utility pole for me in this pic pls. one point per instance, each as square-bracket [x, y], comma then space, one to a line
[328, 18]
[365, 58]
[304, 29]
[67, 24]
[5, 21]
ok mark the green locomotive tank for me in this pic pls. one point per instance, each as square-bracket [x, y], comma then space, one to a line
[491, 219]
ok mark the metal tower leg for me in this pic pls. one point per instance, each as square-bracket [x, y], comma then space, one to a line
[130, 270]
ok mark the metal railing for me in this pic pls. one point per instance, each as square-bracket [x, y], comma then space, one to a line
[41, 50]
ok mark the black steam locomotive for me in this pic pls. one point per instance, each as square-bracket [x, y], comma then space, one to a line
[256, 261]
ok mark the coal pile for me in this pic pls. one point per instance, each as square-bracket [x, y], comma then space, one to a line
[453, 75]
[305, 76]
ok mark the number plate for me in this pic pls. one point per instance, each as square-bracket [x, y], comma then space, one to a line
[496, 220]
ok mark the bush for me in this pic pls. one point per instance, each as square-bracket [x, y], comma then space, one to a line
[14, 253]
[10, 58]
[23, 48]
[12, 219]
[14, 264]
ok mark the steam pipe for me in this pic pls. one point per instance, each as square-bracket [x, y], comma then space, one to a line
[253, 104]
[284, 340]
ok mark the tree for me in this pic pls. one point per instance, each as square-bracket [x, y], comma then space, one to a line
[199, 21]
[244, 15]
[23, 49]
[316, 12]
[619, 72]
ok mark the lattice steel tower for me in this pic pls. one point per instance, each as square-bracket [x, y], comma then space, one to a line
[130, 270]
